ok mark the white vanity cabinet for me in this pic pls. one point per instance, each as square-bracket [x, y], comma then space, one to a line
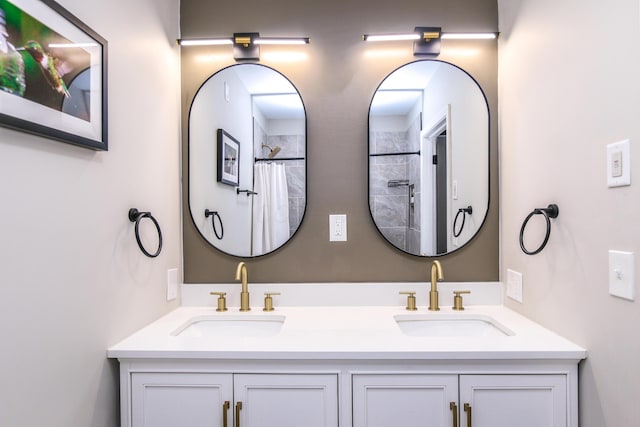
[347, 367]
[404, 400]
[176, 399]
[179, 399]
[514, 400]
[410, 400]
[287, 400]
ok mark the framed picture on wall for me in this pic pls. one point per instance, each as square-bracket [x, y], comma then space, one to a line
[53, 74]
[228, 159]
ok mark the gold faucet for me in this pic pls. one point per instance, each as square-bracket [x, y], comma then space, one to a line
[241, 274]
[436, 274]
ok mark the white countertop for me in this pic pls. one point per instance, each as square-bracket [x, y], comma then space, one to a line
[346, 333]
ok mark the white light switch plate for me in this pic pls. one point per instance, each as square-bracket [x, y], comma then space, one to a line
[338, 228]
[619, 164]
[172, 284]
[622, 275]
[514, 285]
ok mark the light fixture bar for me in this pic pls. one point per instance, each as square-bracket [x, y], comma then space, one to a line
[469, 36]
[205, 42]
[390, 37]
[417, 36]
[282, 40]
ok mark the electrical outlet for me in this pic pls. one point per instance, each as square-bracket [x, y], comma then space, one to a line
[514, 285]
[172, 284]
[337, 228]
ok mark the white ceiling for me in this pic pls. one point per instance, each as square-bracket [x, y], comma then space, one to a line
[272, 93]
[399, 92]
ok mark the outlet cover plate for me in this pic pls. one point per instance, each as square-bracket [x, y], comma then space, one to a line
[514, 285]
[338, 228]
[172, 284]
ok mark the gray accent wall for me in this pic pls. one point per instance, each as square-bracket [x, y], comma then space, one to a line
[337, 77]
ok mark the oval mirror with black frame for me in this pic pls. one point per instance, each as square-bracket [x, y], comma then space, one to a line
[428, 158]
[247, 160]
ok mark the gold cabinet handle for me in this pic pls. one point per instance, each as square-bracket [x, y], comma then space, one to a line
[467, 409]
[454, 410]
[238, 409]
[225, 409]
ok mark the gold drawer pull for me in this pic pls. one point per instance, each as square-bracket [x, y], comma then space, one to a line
[467, 409]
[454, 410]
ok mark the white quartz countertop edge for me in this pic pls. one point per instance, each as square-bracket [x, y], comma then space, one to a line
[346, 333]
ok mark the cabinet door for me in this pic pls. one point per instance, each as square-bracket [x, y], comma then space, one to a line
[281, 400]
[514, 400]
[404, 400]
[180, 399]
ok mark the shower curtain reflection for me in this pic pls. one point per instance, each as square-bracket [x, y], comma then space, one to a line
[270, 208]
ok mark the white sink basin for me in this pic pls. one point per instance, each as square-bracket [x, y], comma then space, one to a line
[231, 325]
[450, 325]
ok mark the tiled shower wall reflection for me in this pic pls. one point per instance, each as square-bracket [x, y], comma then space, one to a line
[290, 146]
[394, 210]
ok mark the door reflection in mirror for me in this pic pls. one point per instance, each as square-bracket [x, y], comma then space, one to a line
[262, 110]
[429, 129]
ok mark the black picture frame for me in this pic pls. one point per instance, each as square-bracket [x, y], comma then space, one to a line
[60, 92]
[228, 159]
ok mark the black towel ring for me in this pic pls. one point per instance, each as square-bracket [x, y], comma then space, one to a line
[551, 211]
[137, 216]
[464, 212]
[214, 215]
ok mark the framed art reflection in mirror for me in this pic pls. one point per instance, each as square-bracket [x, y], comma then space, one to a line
[228, 159]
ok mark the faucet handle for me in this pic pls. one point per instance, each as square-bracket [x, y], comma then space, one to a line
[222, 300]
[411, 300]
[268, 301]
[457, 299]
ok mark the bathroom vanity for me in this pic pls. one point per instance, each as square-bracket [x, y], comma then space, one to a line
[348, 366]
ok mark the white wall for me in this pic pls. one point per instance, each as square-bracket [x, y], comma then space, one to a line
[569, 85]
[73, 280]
[468, 132]
[208, 114]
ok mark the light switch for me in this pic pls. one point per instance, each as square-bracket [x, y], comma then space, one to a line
[622, 275]
[337, 228]
[616, 164]
[619, 164]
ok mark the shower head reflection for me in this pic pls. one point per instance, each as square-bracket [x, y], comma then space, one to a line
[272, 150]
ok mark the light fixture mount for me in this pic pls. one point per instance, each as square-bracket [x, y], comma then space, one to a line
[429, 42]
[244, 47]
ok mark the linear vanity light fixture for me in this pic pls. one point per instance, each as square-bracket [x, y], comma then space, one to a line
[470, 36]
[426, 40]
[204, 42]
[246, 46]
